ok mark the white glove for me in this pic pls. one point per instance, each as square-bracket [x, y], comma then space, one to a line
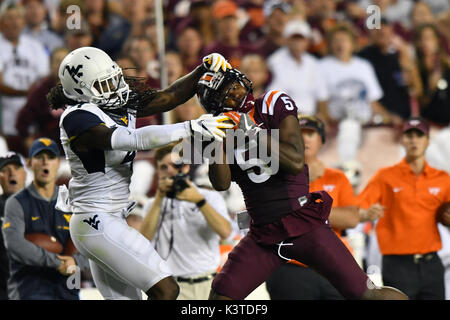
[210, 127]
[215, 61]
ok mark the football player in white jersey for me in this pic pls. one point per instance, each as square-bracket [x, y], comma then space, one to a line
[100, 140]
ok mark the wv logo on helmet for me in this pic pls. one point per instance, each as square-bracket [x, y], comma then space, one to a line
[75, 71]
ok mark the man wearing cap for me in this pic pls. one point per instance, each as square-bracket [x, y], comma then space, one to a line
[12, 180]
[23, 61]
[225, 13]
[35, 273]
[412, 193]
[297, 72]
[276, 14]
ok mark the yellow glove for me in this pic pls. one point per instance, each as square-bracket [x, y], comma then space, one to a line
[215, 61]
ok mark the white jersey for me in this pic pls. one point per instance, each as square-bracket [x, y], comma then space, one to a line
[100, 179]
[20, 67]
[352, 87]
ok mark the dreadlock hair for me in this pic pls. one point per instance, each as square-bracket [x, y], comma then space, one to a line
[141, 94]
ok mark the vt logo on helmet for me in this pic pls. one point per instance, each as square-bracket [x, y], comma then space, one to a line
[223, 91]
[89, 75]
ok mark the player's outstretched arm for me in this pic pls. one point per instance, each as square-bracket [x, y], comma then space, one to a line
[149, 137]
[220, 174]
[184, 88]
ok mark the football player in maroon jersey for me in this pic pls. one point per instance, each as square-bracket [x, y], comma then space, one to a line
[287, 221]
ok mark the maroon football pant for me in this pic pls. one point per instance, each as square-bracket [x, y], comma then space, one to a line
[249, 264]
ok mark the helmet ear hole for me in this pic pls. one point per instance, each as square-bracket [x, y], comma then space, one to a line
[79, 91]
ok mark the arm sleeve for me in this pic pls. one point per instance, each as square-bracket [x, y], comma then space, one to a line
[18, 247]
[148, 137]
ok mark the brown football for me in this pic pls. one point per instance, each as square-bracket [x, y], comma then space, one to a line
[45, 241]
[442, 216]
[69, 248]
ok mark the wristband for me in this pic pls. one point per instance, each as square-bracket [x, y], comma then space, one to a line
[201, 203]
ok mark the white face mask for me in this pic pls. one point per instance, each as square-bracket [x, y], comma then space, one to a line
[111, 92]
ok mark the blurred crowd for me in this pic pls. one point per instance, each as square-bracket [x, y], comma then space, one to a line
[352, 67]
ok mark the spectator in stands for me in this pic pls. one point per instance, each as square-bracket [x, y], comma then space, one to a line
[422, 14]
[189, 110]
[37, 27]
[174, 71]
[395, 70]
[408, 237]
[135, 12]
[128, 66]
[353, 89]
[186, 226]
[23, 61]
[174, 67]
[36, 119]
[322, 17]
[297, 73]
[12, 180]
[142, 53]
[36, 273]
[227, 33]
[255, 67]
[77, 38]
[200, 13]
[276, 14]
[109, 30]
[189, 44]
[434, 68]
[252, 30]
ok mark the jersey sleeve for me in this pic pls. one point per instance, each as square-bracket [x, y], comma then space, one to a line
[278, 105]
[79, 121]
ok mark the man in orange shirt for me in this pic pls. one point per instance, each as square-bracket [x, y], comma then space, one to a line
[411, 192]
[291, 281]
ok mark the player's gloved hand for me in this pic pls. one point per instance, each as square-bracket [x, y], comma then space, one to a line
[211, 127]
[215, 61]
[246, 123]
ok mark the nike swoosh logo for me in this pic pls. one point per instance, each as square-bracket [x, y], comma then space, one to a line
[34, 218]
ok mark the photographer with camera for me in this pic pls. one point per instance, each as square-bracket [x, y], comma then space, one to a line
[185, 224]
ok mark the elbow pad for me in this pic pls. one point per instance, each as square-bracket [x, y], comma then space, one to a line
[148, 137]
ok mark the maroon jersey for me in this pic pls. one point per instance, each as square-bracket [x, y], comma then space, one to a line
[269, 197]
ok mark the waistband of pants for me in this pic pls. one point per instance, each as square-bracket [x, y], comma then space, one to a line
[193, 280]
[416, 258]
